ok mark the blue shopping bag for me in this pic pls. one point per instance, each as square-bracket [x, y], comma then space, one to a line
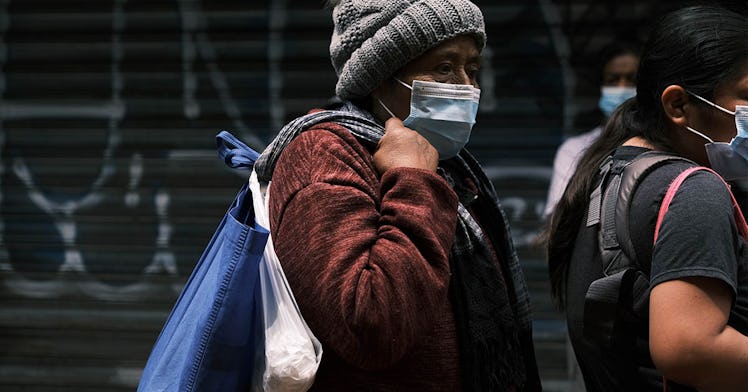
[212, 336]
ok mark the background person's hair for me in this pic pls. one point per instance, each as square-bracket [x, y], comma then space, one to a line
[620, 46]
[698, 48]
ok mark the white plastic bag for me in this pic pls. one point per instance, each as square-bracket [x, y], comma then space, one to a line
[292, 352]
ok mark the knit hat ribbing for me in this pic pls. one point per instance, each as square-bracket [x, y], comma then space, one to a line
[372, 39]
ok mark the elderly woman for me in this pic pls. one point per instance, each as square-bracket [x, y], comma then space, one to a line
[389, 232]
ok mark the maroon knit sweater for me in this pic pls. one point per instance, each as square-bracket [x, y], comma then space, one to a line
[368, 261]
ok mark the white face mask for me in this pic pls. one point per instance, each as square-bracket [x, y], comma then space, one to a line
[730, 160]
[443, 113]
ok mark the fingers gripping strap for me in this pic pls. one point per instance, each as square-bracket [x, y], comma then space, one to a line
[673, 188]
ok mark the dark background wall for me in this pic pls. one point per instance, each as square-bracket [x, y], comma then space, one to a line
[109, 182]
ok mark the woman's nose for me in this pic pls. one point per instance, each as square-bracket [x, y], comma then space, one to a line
[462, 77]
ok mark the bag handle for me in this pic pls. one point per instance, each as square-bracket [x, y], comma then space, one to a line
[260, 200]
[234, 152]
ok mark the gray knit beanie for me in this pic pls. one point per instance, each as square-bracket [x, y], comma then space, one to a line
[372, 39]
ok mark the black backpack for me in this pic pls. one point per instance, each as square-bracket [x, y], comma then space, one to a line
[620, 299]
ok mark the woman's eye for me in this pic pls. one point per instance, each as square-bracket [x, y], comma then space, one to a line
[444, 69]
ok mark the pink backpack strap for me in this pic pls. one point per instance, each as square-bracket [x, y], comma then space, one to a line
[739, 218]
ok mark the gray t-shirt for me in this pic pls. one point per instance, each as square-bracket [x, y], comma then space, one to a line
[698, 235]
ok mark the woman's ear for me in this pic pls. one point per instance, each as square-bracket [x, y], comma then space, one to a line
[675, 103]
[395, 97]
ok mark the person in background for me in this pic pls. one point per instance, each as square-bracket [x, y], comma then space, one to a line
[618, 64]
[389, 232]
[692, 101]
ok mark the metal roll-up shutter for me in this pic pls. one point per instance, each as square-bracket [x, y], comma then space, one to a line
[110, 185]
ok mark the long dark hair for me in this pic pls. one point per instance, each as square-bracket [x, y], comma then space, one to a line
[698, 48]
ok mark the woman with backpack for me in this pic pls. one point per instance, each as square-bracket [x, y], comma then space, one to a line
[687, 324]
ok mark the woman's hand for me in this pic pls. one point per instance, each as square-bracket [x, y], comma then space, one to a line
[403, 147]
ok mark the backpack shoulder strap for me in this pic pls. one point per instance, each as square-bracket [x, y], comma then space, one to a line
[615, 244]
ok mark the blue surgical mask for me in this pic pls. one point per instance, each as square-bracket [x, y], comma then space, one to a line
[443, 113]
[611, 97]
[730, 160]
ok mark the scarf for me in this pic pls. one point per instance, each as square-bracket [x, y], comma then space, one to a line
[491, 303]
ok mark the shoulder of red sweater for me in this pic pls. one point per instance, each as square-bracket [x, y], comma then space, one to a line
[332, 127]
[326, 145]
[329, 135]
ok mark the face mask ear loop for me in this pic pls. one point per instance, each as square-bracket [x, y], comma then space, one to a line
[712, 104]
[700, 134]
[386, 108]
[403, 83]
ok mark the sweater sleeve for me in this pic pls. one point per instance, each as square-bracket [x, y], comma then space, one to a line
[367, 258]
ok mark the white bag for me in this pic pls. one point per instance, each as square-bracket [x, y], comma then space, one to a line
[292, 352]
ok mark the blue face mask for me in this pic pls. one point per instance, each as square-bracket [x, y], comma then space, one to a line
[443, 113]
[730, 160]
[612, 97]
